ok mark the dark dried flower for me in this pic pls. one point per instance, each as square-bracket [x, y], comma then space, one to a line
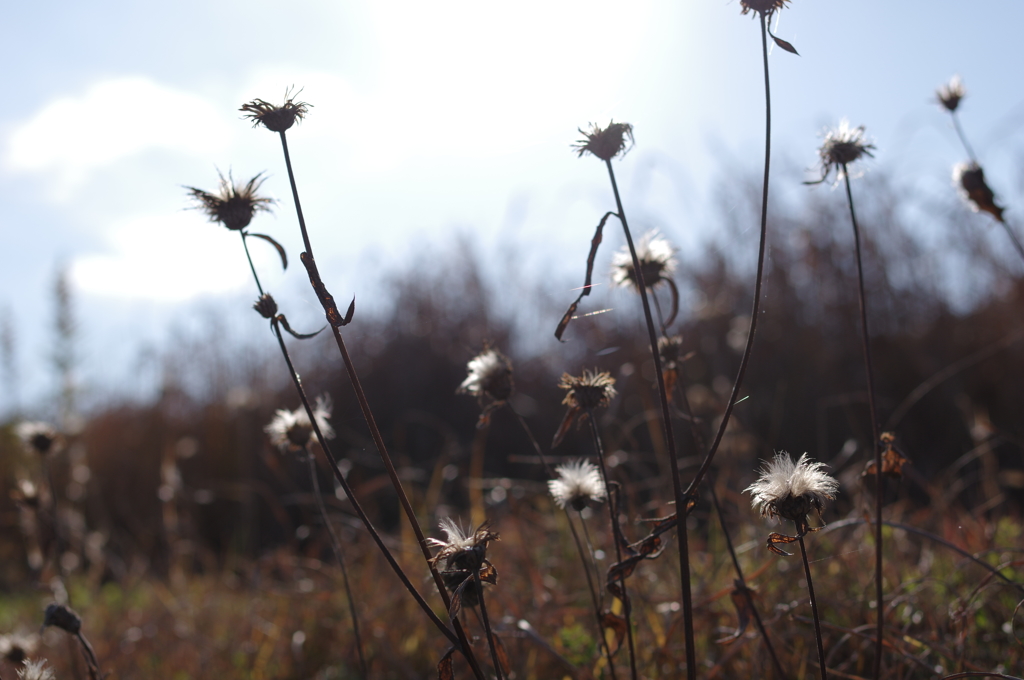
[657, 261]
[970, 181]
[950, 94]
[234, 204]
[266, 306]
[670, 349]
[464, 555]
[578, 483]
[42, 438]
[292, 431]
[766, 7]
[606, 143]
[63, 617]
[584, 393]
[842, 146]
[276, 118]
[893, 459]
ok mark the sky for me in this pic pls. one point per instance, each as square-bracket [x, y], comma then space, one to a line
[430, 121]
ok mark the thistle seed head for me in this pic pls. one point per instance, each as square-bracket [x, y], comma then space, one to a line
[970, 181]
[40, 437]
[670, 350]
[588, 391]
[843, 145]
[791, 490]
[463, 555]
[490, 374]
[15, 648]
[35, 670]
[578, 483]
[276, 118]
[950, 94]
[766, 7]
[657, 261]
[234, 205]
[292, 430]
[605, 143]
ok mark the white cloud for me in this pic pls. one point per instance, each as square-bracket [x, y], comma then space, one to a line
[113, 120]
[168, 258]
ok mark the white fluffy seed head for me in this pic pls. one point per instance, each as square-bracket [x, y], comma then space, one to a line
[578, 483]
[788, 490]
[291, 430]
[657, 261]
[490, 373]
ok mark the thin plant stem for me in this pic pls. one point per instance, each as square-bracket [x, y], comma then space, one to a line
[1013, 237]
[745, 359]
[371, 423]
[747, 594]
[362, 513]
[670, 443]
[879, 477]
[575, 536]
[814, 610]
[336, 546]
[487, 625]
[627, 608]
[963, 137]
[245, 244]
[590, 585]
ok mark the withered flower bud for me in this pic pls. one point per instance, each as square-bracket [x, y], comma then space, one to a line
[842, 146]
[950, 94]
[275, 118]
[234, 205]
[605, 143]
[62, 617]
[42, 438]
[767, 7]
[266, 306]
[970, 180]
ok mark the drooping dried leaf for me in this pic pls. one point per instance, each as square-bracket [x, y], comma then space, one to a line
[444, 666]
[280, 318]
[776, 538]
[587, 285]
[334, 316]
[278, 246]
[785, 45]
[674, 309]
[893, 459]
[570, 416]
[617, 624]
[741, 599]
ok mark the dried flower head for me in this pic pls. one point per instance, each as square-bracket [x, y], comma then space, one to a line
[670, 349]
[578, 483]
[266, 306]
[276, 118]
[42, 438]
[490, 374]
[464, 555]
[970, 181]
[292, 431]
[583, 394]
[843, 145]
[766, 7]
[657, 261]
[234, 205]
[63, 617]
[791, 490]
[15, 648]
[588, 391]
[605, 143]
[950, 94]
[35, 670]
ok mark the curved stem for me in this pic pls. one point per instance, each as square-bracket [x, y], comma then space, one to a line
[336, 547]
[670, 443]
[627, 608]
[814, 610]
[1013, 237]
[879, 477]
[745, 359]
[245, 244]
[963, 137]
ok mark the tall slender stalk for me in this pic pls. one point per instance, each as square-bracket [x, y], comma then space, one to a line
[334, 320]
[879, 477]
[666, 418]
[814, 610]
[336, 547]
[627, 609]
[255, 276]
[487, 625]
